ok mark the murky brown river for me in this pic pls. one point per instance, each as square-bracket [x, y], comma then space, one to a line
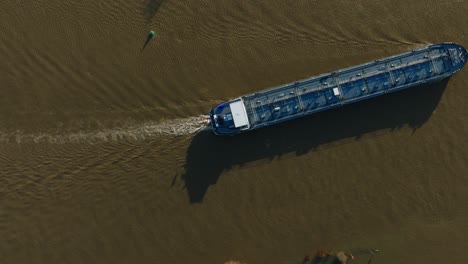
[99, 162]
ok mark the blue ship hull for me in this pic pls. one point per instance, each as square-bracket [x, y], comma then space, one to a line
[331, 90]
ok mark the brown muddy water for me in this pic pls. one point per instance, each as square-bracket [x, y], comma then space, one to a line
[100, 161]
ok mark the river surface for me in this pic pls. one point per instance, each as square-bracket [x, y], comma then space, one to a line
[101, 162]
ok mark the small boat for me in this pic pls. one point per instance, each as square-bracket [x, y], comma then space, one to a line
[342, 87]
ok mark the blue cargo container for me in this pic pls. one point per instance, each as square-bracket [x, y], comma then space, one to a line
[331, 90]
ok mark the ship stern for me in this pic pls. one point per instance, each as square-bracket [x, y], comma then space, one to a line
[229, 118]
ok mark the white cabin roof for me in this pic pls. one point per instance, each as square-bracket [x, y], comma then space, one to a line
[239, 114]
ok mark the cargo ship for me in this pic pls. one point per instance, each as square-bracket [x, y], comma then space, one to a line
[342, 87]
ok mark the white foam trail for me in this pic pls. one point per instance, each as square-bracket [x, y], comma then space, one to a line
[173, 127]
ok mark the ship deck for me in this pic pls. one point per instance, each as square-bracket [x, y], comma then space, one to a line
[338, 88]
[346, 86]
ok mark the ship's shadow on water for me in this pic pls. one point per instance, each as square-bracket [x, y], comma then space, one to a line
[151, 8]
[209, 155]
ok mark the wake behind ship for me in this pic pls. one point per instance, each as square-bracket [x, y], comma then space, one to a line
[331, 90]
